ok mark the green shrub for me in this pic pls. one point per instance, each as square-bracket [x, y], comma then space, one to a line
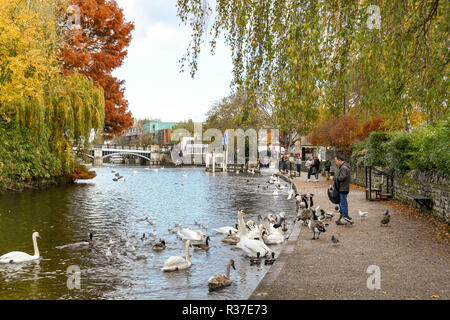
[376, 149]
[400, 152]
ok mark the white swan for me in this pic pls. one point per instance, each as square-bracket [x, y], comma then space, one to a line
[18, 257]
[250, 246]
[175, 263]
[188, 234]
[226, 230]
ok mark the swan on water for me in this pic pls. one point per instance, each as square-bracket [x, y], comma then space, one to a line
[219, 281]
[188, 234]
[226, 230]
[250, 246]
[18, 256]
[175, 263]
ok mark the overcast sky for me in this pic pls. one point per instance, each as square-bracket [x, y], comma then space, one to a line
[155, 88]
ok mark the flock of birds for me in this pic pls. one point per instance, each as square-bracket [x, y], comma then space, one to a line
[253, 238]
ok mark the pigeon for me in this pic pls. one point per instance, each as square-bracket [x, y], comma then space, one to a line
[334, 239]
[362, 214]
[386, 218]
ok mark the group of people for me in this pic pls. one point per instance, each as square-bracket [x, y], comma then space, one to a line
[312, 165]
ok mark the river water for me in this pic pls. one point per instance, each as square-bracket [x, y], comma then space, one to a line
[114, 210]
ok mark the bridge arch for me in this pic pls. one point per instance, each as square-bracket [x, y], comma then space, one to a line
[127, 153]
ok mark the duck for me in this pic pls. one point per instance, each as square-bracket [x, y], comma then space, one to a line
[270, 260]
[159, 246]
[19, 257]
[219, 281]
[250, 246]
[256, 260]
[316, 226]
[386, 219]
[202, 246]
[231, 239]
[188, 234]
[176, 263]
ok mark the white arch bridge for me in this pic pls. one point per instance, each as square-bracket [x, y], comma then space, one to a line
[102, 152]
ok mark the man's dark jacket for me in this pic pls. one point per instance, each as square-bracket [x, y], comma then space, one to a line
[343, 178]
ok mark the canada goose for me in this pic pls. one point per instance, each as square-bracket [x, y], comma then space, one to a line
[18, 257]
[143, 238]
[231, 239]
[386, 219]
[304, 214]
[270, 260]
[219, 281]
[175, 263]
[202, 246]
[256, 260]
[159, 246]
[316, 226]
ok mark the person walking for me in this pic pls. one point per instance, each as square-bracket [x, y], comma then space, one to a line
[327, 167]
[309, 164]
[284, 163]
[298, 162]
[343, 181]
[316, 166]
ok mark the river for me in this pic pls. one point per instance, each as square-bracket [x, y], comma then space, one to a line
[112, 210]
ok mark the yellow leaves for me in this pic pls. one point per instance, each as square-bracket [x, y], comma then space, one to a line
[435, 296]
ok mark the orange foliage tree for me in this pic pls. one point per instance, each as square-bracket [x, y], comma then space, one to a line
[342, 133]
[95, 50]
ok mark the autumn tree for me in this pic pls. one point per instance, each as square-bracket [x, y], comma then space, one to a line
[95, 50]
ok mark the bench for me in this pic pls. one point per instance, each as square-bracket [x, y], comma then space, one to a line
[421, 200]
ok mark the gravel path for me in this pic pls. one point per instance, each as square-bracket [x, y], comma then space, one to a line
[412, 263]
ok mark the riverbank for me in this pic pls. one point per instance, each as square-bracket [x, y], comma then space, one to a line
[412, 255]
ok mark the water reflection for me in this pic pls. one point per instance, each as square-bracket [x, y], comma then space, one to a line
[115, 212]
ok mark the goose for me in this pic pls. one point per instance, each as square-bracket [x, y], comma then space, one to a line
[304, 214]
[256, 260]
[188, 234]
[250, 246]
[316, 226]
[270, 260]
[202, 246]
[159, 246]
[219, 281]
[363, 214]
[231, 239]
[226, 230]
[384, 222]
[143, 238]
[175, 263]
[18, 257]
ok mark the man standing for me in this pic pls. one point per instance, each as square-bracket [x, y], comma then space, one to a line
[298, 162]
[327, 166]
[343, 181]
[309, 164]
[316, 166]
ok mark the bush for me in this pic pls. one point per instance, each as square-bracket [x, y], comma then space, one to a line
[400, 152]
[425, 148]
[376, 149]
